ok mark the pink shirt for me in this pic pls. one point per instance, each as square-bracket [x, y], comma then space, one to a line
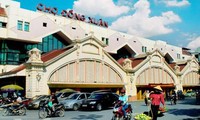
[157, 98]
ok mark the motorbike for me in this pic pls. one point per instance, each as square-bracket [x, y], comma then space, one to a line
[118, 113]
[14, 109]
[45, 111]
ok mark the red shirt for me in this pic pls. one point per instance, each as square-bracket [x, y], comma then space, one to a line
[157, 98]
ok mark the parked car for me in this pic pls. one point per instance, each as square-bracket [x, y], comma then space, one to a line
[34, 104]
[100, 100]
[190, 93]
[74, 101]
[63, 95]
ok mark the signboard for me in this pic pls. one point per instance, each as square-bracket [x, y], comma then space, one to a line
[72, 15]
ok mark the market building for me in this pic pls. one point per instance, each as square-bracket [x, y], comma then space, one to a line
[45, 51]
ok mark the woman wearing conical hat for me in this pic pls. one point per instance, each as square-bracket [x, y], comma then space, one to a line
[156, 97]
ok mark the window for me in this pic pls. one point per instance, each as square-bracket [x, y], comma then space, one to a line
[49, 43]
[117, 39]
[19, 25]
[44, 24]
[106, 41]
[144, 49]
[23, 25]
[73, 28]
[2, 25]
[178, 56]
[103, 39]
[26, 26]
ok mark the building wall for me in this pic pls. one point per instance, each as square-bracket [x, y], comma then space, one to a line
[93, 50]
[57, 23]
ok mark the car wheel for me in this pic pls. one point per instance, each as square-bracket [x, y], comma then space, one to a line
[75, 107]
[99, 107]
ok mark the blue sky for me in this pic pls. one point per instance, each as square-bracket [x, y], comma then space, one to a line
[173, 21]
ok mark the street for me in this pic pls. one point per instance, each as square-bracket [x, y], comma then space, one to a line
[183, 110]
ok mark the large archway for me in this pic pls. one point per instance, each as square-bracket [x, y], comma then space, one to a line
[190, 81]
[153, 76]
[84, 74]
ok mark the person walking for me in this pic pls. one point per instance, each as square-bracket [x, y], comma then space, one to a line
[156, 97]
[173, 97]
[146, 97]
[124, 98]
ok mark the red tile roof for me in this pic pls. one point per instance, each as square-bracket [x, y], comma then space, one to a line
[48, 56]
[120, 61]
[185, 52]
[2, 12]
[180, 65]
[135, 61]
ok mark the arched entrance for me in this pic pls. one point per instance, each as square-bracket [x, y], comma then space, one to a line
[86, 75]
[151, 77]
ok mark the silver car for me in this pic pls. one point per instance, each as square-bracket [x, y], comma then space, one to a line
[74, 101]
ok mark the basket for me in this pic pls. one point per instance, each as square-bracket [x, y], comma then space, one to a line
[163, 109]
[142, 116]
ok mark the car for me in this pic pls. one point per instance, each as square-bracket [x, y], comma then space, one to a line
[190, 93]
[34, 104]
[100, 100]
[63, 95]
[74, 101]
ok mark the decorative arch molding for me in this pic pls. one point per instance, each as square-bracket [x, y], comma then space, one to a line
[90, 48]
[154, 75]
[86, 71]
[191, 78]
[156, 58]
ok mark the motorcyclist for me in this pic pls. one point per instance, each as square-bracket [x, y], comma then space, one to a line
[17, 102]
[19, 99]
[54, 101]
[124, 98]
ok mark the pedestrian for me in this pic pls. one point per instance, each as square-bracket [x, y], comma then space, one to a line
[124, 98]
[146, 97]
[156, 97]
[174, 97]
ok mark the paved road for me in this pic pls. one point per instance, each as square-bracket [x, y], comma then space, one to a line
[184, 110]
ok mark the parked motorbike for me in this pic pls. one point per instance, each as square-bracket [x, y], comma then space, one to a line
[14, 109]
[45, 111]
[118, 113]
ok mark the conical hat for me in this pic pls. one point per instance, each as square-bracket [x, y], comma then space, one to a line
[158, 88]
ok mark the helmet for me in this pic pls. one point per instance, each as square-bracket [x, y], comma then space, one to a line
[122, 91]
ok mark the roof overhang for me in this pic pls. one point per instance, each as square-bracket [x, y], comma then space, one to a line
[86, 85]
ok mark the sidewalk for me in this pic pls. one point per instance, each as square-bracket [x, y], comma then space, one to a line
[183, 110]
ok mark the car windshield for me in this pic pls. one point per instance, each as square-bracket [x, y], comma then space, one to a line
[95, 96]
[73, 96]
[58, 94]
